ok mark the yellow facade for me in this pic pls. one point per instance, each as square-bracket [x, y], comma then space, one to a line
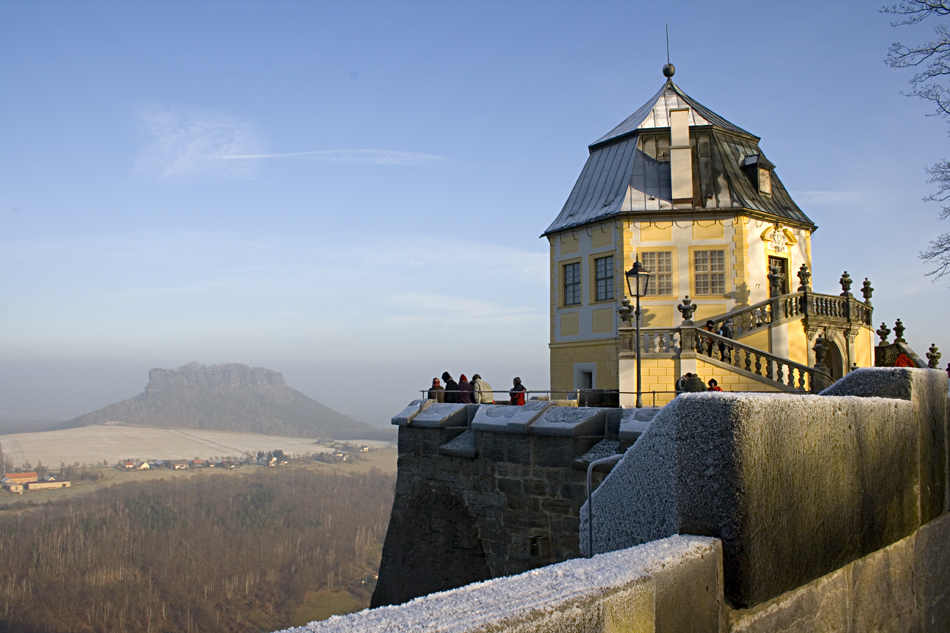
[658, 382]
[600, 357]
[798, 343]
[730, 381]
[582, 331]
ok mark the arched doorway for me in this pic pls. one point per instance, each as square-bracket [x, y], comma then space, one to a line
[833, 359]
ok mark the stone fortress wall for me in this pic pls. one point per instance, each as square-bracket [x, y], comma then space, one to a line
[675, 585]
[485, 491]
[815, 510]
[795, 486]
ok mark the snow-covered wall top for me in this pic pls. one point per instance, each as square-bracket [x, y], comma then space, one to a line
[535, 418]
[794, 485]
[629, 590]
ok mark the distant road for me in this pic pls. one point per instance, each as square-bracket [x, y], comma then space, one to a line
[92, 444]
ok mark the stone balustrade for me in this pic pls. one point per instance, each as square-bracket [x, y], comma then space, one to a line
[821, 310]
[675, 342]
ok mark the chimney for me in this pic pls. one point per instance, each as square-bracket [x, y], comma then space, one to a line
[681, 158]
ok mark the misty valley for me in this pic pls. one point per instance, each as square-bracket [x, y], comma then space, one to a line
[171, 517]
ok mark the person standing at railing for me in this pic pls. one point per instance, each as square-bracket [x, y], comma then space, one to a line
[451, 388]
[466, 391]
[517, 392]
[483, 394]
[710, 327]
[436, 392]
[725, 351]
[713, 385]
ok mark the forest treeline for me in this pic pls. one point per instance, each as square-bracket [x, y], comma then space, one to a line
[229, 552]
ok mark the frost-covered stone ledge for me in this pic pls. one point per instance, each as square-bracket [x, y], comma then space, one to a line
[635, 589]
[796, 486]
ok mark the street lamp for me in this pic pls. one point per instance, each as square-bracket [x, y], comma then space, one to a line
[638, 279]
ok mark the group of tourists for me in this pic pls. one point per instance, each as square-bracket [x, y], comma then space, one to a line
[690, 382]
[475, 392]
[725, 331]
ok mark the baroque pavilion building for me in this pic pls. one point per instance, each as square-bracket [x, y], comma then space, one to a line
[695, 199]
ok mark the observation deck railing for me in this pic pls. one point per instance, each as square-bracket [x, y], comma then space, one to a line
[821, 310]
[783, 373]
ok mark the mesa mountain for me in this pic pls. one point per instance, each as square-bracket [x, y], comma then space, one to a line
[229, 397]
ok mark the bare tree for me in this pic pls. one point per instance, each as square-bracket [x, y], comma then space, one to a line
[932, 61]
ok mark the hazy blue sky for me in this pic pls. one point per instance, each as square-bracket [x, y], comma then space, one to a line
[352, 192]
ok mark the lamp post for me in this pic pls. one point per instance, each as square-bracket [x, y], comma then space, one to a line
[638, 279]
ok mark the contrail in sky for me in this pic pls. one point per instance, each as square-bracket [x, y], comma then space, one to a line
[354, 157]
[188, 145]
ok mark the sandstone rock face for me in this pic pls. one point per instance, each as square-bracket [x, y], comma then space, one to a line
[231, 397]
[229, 376]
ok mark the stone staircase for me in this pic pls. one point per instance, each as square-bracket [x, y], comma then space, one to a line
[818, 311]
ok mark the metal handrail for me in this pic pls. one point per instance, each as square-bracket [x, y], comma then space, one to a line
[653, 394]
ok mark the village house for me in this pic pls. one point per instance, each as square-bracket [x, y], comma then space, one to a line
[48, 483]
[15, 482]
[18, 482]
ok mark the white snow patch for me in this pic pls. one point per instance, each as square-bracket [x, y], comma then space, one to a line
[540, 593]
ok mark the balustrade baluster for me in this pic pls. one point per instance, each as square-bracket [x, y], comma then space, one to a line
[781, 374]
[748, 361]
[768, 368]
[758, 364]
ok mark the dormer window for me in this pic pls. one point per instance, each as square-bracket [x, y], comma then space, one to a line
[765, 180]
[759, 171]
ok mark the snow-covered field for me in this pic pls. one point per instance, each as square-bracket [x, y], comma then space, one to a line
[92, 444]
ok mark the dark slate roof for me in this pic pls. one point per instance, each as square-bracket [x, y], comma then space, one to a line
[655, 113]
[628, 170]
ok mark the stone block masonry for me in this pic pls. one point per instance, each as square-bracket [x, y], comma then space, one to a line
[796, 486]
[485, 491]
[675, 585]
[670, 586]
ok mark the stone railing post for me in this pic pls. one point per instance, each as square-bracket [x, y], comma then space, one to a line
[687, 356]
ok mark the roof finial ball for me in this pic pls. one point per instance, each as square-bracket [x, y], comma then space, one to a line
[668, 70]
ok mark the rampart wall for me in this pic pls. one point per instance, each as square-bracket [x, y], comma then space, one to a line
[676, 585]
[486, 491]
[816, 503]
[796, 486]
